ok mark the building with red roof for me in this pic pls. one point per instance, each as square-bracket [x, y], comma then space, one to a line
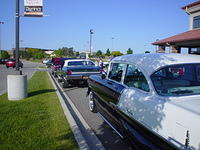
[189, 39]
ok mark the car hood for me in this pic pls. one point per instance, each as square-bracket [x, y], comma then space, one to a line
[190, 103]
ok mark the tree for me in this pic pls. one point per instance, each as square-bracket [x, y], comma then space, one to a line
[58, 53]
[108, 52]
[77, 54]
[39, 55]
[129, 51]
[99, 53]
[64, 52]
[116, 53]
[35, 53]
[4, 54]
[68, 52]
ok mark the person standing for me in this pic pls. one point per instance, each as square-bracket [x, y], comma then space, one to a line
[101, 63]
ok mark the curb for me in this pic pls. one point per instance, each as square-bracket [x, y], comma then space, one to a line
[95, 144]
[75, 129]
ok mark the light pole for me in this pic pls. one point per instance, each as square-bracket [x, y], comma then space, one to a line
[112, 43]
[1, 22]
[91, 32]
[17, 36]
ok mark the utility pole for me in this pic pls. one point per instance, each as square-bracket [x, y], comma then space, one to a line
[91, 32]
[17, 36]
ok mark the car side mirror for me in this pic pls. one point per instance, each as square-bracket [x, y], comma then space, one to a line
[103, 75]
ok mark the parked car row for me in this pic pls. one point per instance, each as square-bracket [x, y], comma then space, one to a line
[10, 63]
[72, 72]
[151, 100]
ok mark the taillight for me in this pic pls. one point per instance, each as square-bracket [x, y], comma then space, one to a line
[68, 72]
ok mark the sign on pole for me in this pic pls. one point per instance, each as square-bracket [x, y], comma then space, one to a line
[33, 8]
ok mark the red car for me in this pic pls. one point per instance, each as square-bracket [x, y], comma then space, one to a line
[12, 63]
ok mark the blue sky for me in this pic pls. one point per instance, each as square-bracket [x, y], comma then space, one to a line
[117, 24]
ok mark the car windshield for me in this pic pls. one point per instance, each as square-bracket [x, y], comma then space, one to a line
[11, 59]
[80, 63]
[177, 80]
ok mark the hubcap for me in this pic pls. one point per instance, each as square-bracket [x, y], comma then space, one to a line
[91, 101]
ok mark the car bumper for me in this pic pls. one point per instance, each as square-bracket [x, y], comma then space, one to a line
[79, 76]
[10, 65]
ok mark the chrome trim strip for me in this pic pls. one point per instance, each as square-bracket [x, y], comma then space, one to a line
[110, 125]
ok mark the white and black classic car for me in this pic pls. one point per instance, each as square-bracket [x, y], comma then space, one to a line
[153, 100]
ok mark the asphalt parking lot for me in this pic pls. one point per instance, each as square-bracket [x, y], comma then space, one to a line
[107, 136]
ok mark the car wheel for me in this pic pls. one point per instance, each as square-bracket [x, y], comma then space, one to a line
[59, 79]
[7, 67]
[91, 103]
[55, 75]
[65, 84]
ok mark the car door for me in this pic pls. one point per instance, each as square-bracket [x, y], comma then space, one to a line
[109, 92]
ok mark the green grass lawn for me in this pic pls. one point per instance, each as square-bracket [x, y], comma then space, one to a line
[37, 122]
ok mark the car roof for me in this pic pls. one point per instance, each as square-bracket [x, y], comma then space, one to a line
[73, 60]
[150, 62]
[76, 60]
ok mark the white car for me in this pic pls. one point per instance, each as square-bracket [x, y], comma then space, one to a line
[77, 71]
[153, 100]
[45, 61]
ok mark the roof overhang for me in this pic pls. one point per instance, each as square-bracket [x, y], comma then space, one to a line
[191, 5]
[187, 39]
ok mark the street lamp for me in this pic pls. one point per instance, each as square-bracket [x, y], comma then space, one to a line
[113, 43]
[17, 36]
[1, 22]
[91, 32]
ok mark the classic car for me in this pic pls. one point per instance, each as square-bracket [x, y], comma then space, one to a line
[77, 71]
[55, 66]
[151, 100]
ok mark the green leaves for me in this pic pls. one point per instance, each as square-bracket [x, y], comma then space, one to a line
[129, 51]
[4, 54]
[64, 52]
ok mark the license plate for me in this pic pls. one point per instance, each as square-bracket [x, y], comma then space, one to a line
[85, 77]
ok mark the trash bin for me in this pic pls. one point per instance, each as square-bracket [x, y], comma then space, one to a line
[17, 87]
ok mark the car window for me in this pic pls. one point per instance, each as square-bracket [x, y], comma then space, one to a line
[90, 63]
[75, 63]
[80, 63]
[135, 78]
[116, 71]
[177, 80]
